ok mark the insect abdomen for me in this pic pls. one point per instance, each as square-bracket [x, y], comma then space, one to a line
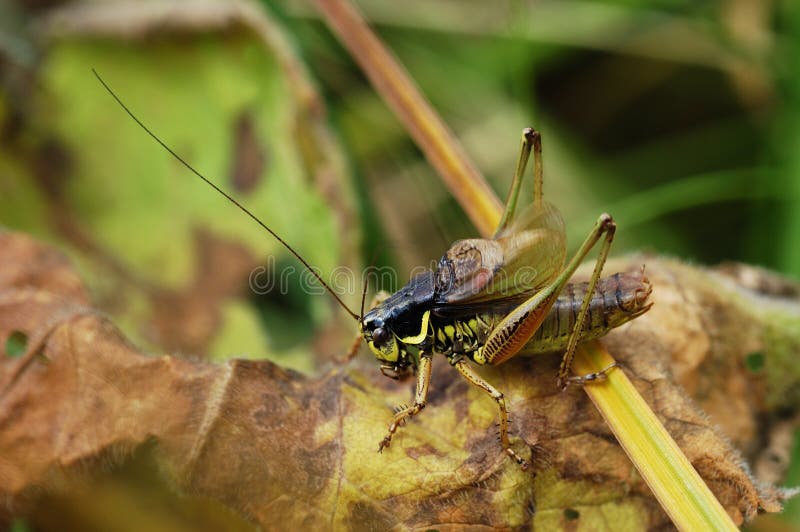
[617, 299]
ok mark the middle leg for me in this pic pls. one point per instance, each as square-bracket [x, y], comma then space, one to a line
[466, 371]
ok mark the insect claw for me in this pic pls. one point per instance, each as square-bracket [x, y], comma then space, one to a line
[523, 464]
[385, 442]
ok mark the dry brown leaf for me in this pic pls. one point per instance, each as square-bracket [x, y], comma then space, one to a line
[288, 451]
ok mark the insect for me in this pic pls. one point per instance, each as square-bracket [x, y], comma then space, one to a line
[489, 298]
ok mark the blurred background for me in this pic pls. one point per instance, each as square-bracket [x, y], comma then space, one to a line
[681, 118]
[674, 116]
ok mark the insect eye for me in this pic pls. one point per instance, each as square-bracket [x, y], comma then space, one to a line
[379, 336]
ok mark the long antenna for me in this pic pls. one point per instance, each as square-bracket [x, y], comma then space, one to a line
[366, 280]
[226, 195]
[364, 294]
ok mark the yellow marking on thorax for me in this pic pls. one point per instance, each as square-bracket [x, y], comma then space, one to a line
[423, 333]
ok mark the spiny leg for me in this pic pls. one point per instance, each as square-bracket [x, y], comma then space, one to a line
[463, 367]
[530, 140]
[604, 224]
[420, 398]
[353, 351]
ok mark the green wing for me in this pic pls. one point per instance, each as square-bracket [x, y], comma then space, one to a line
[525, 257]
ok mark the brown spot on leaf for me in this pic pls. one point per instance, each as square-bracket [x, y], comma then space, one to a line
[52, 165]
[249, 154]
[187, 319]
[422, 450]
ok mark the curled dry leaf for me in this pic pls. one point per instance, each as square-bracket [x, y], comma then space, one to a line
[286, 450]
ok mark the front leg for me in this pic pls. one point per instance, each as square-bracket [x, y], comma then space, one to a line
[420, 398]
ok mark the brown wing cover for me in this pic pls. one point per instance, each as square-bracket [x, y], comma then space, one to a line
[523, 258]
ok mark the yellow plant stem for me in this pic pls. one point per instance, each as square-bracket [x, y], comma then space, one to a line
[676, 484]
